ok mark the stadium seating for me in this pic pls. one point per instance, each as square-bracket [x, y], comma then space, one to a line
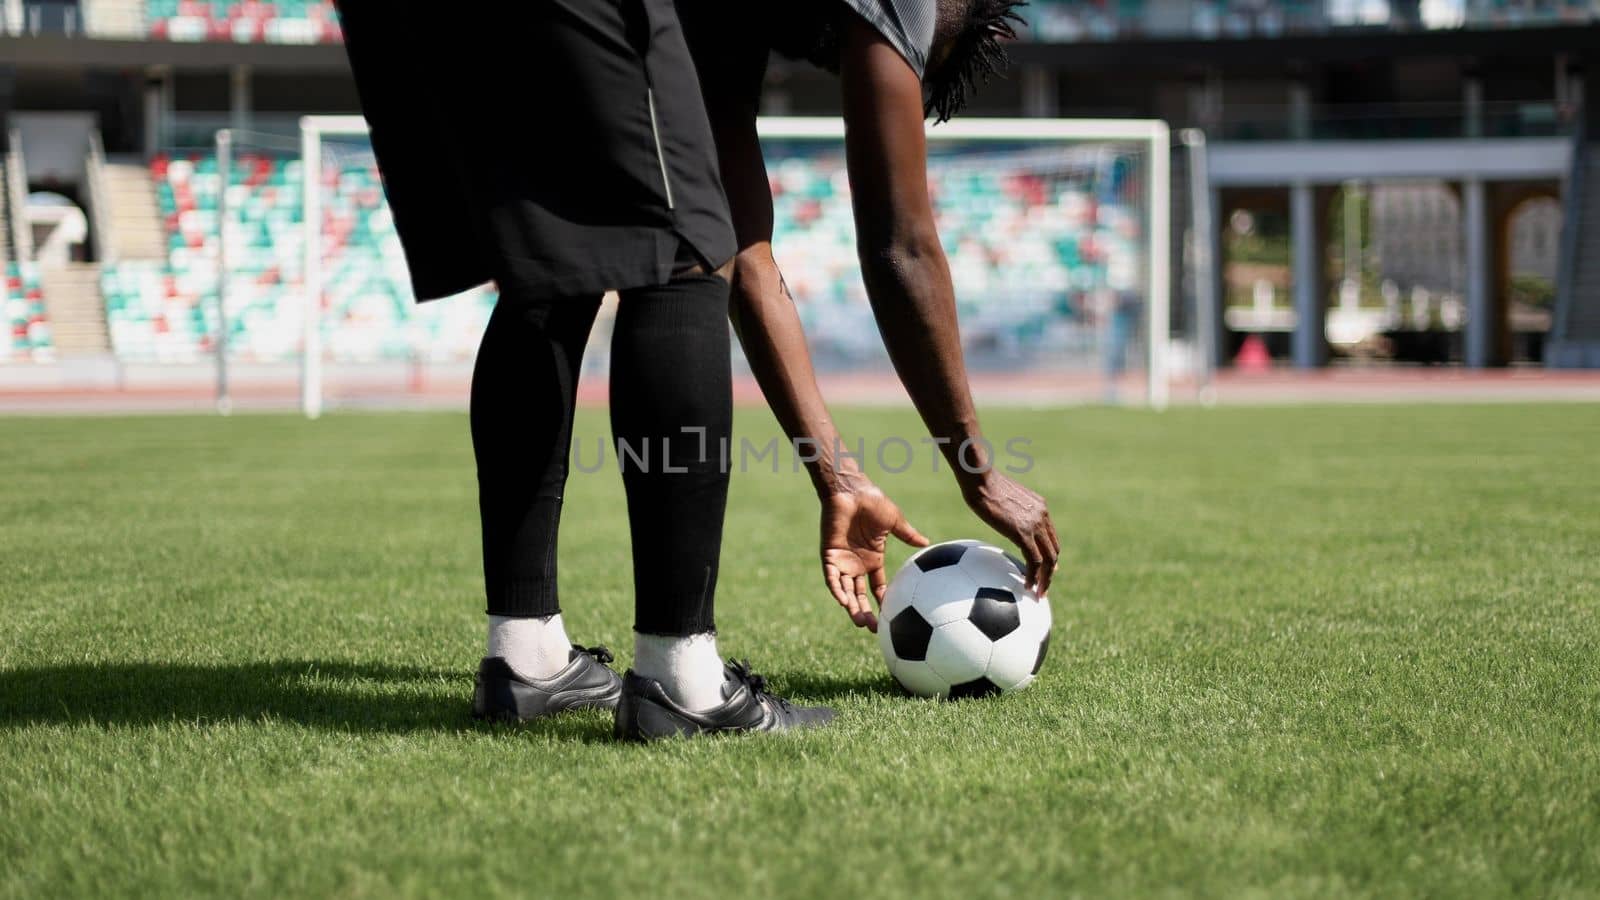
[167, 311]
[1032, 248]
[244, 21]
[27, 325]
[1034, 244]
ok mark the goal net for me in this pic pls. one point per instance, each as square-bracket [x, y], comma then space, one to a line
[1058, 247]
[1057, 231]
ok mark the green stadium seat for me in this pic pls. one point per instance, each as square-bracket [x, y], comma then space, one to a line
[1023, 244]
[27, 323]
[244, 21]
[166, 311]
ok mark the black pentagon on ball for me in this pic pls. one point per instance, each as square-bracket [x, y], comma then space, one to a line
[994, 611]
[909, 633]
[941, 556]
[1044, 645]
[981, 687]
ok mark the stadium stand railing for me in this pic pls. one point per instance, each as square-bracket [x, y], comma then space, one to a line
[1394, 121]
[26, 319]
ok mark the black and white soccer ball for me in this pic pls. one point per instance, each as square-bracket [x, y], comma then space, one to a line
[957, 621]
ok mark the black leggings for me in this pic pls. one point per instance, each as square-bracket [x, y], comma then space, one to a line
[671, 406]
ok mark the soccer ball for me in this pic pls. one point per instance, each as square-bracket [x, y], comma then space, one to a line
[957, 622]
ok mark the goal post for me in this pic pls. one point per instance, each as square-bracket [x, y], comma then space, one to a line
[1121, 164]
[313, 130]
[1152, 139]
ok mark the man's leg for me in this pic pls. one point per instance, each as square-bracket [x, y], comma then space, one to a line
[523, 398]
[671, 416]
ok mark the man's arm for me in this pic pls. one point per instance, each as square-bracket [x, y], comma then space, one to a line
[908, 283]
[763, 311]
[856, 516]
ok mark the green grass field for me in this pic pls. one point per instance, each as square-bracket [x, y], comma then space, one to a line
[1316, 651]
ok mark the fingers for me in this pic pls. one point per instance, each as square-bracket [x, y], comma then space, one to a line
[1029, 546]
[879, 583]
[835, 580]
[1052, 553]
[904, 531]
[1047, 568]
[859, 609]
[865, 619]
[851, 593]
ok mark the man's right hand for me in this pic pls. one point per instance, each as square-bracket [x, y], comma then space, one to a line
[1020, 515]
[857, 519]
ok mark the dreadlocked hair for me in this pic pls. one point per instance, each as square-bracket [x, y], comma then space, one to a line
[976, 55]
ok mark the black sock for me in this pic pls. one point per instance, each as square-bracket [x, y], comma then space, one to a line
[670, 371]
[523, 398]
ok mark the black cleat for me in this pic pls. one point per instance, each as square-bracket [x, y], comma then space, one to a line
[505, 696]
[646, 713]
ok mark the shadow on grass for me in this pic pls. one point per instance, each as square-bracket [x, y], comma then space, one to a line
[335, 696]
[804, 685]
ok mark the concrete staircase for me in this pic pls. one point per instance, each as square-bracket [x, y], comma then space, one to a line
[1575, 333]
[133, 231]
[77, 314]
[137, 231]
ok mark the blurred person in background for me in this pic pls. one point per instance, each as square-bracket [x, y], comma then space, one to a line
[1119, 328]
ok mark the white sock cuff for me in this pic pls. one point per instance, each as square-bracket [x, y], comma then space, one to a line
[703, 639]
[533, 646]
[689, 667]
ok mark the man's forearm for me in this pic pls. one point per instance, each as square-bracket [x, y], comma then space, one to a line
[908, 283]
[769, 329]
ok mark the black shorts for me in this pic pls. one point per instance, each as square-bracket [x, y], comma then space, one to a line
[559, 145]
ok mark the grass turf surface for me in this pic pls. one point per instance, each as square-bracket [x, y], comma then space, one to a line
[1298, 652]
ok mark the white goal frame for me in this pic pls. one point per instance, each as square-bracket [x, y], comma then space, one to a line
[1152, 134]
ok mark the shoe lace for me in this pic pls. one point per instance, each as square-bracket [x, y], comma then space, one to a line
[756, 683]
[599, 652]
